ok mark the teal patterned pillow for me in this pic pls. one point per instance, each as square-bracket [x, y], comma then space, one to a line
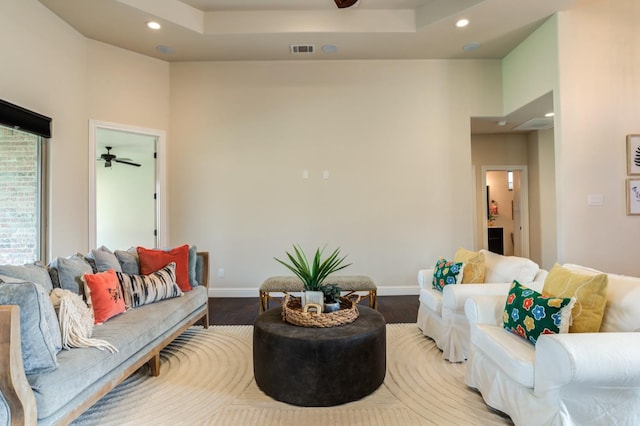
[446, 273]
[529, 314]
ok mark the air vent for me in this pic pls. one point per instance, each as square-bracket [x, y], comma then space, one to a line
[302, 49]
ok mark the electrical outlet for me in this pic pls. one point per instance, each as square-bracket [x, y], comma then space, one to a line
[220, 272]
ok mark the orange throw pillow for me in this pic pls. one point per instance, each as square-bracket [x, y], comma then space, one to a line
[106, 295]
[152, 260]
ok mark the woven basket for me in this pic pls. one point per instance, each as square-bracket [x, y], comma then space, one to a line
[293, 313]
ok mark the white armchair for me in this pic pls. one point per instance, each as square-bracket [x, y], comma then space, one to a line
[441, 314]
[565, 379]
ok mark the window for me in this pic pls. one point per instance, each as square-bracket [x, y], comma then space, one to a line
[23, 206]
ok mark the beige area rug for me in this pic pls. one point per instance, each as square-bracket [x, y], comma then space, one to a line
[206, 378]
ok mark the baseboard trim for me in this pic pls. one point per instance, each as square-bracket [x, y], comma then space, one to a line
[253, 292]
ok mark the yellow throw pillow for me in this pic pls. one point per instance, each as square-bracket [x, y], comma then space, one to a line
[473, 272]
[590, 292]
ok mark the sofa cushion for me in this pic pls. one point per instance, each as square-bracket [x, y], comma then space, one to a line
[529, 314]
[431, 298]
[623, 293]
[473, 265]
[32, 273]
[106, 295]
[39, 330]
[506, 269]
[509, 352]
[67, 272]
[153, 259]
[446, 273]
[144, 289]
[86, 370]
[590, 292]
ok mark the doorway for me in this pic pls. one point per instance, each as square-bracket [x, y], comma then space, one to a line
[506, 228]
[126, 200]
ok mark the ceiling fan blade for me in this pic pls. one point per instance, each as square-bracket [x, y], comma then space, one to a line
[345, 3]
[123, 161]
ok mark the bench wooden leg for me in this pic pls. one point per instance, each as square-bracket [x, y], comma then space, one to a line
[264, 302]
[373, 299]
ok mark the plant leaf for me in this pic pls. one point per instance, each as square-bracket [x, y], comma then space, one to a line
[314, 274]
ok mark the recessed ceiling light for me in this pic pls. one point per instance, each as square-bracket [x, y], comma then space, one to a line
[153, 25]
[502, 123]
[549, 114]
[462, 23]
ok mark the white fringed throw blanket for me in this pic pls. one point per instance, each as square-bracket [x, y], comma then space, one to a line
[76, 321]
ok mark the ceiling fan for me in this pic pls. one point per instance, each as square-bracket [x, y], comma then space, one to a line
[108, 157]
[345, 3]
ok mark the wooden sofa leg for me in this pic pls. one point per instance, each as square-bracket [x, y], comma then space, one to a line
[13, 383]
[205, 319]
[154, 364]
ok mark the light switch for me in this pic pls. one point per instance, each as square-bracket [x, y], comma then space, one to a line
[325, 174]
[595, 199]
[305, 174]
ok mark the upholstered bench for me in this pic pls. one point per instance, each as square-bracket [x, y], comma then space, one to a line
[287, 284]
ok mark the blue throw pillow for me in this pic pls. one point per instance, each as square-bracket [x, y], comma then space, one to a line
[193, 257]
[36, 336]
[129, 261]
[105, 259]
[68, 272]
[31, 273]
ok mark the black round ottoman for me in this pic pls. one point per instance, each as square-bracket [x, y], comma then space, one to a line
[319, 367]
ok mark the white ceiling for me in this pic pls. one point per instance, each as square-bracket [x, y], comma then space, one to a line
[220, 30]
[255, 30]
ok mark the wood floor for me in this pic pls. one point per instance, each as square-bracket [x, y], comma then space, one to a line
[244, 310]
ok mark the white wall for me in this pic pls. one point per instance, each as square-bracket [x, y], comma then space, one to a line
[44, 69]
[393, 135]
[542, 198]
[127, 88]
[599, 51]
[50, 68]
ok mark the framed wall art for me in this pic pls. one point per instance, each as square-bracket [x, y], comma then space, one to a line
[633, 196]
[633, 155]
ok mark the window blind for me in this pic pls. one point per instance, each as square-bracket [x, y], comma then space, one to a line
[22, 119]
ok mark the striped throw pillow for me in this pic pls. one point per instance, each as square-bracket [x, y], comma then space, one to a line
[144, 289]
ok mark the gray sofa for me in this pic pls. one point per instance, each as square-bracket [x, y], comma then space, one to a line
[84, 375]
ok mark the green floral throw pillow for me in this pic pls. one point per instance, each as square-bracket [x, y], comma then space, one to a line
[529, 314]
[446, 273]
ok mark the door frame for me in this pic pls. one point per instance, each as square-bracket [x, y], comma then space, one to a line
[524, 204]
[160, 173]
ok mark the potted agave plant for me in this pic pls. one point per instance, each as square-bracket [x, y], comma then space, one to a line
[315, 272]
